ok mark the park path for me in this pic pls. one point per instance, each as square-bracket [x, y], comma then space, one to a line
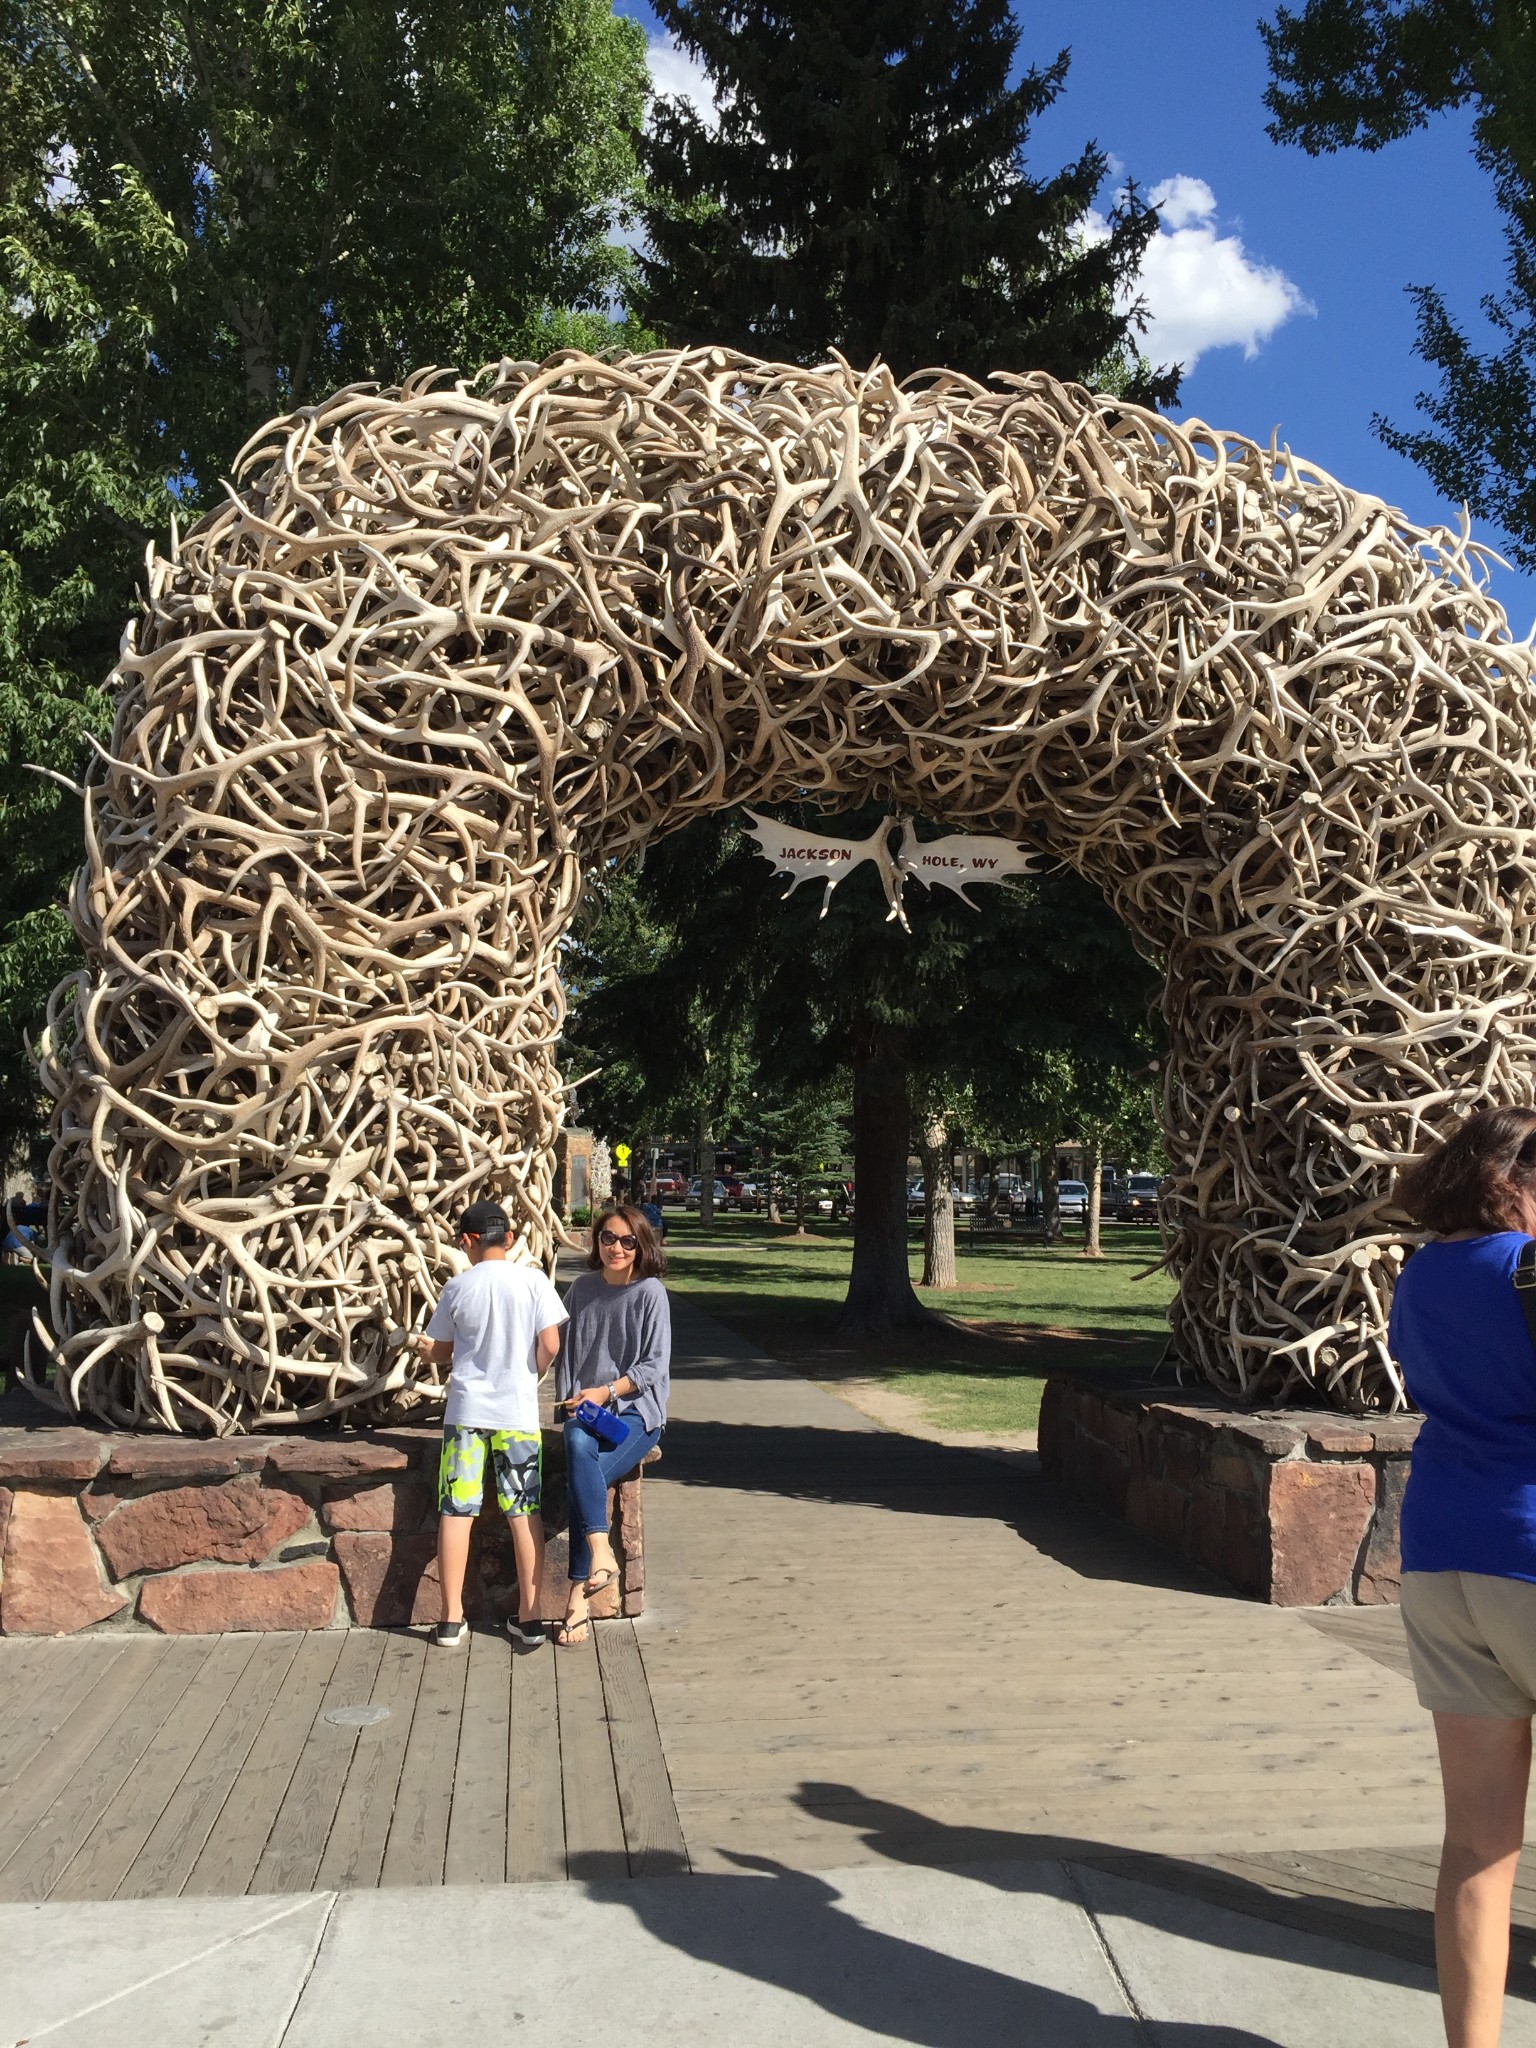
[936, 1755]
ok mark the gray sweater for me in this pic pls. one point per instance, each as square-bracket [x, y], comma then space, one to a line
[618, 1332]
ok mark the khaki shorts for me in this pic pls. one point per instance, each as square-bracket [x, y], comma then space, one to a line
[1472, 1639]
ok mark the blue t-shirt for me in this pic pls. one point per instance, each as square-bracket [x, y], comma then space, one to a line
[1461, 1338]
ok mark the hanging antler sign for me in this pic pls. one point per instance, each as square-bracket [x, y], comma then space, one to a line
[808, 856]
[958, 859]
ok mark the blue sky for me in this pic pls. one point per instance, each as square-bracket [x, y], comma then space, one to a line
[1306, 258]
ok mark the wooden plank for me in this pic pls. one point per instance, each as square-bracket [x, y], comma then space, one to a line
[535, 1802]
[355, 1852]
[57, 1685]
[41, 1858]
[178, 1838]
[653, 1835]
[24, 1804]
[105, 1856]
[594, 1829]
[418, 1836]
[477, 1826]
[303, 1824]
[229, 1857]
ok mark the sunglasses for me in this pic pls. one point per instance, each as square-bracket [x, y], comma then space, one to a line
[625, 1244]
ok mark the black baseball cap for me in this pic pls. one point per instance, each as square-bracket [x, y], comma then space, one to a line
[480, 1217]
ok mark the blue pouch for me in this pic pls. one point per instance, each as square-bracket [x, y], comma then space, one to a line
[604, 1424]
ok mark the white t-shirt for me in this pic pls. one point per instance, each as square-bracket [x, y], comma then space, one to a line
[492, 1315]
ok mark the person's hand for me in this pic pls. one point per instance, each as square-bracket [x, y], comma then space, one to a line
[422, 1342]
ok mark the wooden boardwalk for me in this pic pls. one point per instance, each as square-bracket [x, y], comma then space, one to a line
[144, 1767]
[859, 1648]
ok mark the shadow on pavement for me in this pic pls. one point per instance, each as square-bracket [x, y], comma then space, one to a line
[1380, 1938]
[790, 1929]
[909, 1475]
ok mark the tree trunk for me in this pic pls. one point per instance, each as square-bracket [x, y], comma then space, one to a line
[800, 1229]
[1093, 1155]
[771, 1188]
[938, 1204]
[880, 1296]
[1050, 1194]
[706, 1170]
[986, 1169]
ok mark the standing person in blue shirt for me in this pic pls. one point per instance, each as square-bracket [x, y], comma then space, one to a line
[499, 1325]
[617, 1352]
[1459, 1332]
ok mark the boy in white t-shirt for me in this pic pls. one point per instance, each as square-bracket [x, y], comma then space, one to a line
[500, 1325]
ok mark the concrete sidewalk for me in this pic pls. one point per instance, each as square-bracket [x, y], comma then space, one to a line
[1029, 1953]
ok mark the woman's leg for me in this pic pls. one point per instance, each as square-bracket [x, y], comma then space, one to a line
[1485, 1765]
[591, 1468]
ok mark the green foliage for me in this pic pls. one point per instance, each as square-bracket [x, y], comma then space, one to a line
[1033, 1008]
[211, 213]
[1361, 73]
[865, 190]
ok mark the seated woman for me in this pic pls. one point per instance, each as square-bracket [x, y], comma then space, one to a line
[616, 1352]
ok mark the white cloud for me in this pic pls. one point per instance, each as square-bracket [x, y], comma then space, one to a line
[679, 75]
[1202, 288]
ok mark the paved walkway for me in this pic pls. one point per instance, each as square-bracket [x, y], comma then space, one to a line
[948, 1759]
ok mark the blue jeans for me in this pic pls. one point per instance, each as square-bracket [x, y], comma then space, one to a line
[591, 1467]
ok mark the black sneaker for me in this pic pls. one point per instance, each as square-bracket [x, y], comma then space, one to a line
[529, 1633]
[449, 1635]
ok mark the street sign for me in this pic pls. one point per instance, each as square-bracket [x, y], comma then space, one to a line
[621, 1153]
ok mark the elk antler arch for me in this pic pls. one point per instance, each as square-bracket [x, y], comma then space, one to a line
[447, 647]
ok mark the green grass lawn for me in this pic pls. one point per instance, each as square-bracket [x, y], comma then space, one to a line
[1020, 1310]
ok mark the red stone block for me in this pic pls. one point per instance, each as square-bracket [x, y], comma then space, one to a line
[240, 1522]
[1157, 1509]
[1226, 1536]
[1235, 1474]
[1318, 1516]
[1121, 1427]
[31, 1454]
[297, 1596]
[185, 1457]
[1341, 1438]
[98, 1500]
[395, 1504]
[52, 1583]
[6, 1497]
[1381, 1575]
[391, 1578]
[334, 1457]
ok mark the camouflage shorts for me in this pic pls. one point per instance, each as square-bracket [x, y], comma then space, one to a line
[516, 1460]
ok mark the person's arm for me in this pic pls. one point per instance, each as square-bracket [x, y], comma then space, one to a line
[436, 1350]
[547, 1348]
[435, 1342]
[644, 1371]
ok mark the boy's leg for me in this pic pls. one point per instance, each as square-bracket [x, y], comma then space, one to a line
[453, 1561]
[519, 1464]
[528, 1555]
[460, 1482]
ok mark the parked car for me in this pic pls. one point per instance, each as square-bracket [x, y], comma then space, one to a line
[1072, 1198]
[753, 1195]
[964, 1200]
[916, 1197]
[670, 1187]
[1138, 1201]
[733, 1188]
[695, 1193]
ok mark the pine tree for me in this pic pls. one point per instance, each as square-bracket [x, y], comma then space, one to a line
[865, 189]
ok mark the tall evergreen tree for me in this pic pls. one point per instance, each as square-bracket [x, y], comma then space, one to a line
[1359, 74]
[865, 189]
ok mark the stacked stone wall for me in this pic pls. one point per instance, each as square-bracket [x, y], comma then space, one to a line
[1299, 1508]
[188, 1537]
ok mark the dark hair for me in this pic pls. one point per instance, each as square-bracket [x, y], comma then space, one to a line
[650, 1259]
[1476, 1178]
[486, 1220]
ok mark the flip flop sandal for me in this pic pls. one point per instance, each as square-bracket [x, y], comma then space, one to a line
[600, 1584]
[566, 1636]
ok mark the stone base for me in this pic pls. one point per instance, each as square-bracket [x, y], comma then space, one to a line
[1297, 1507]
[188, 1537]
